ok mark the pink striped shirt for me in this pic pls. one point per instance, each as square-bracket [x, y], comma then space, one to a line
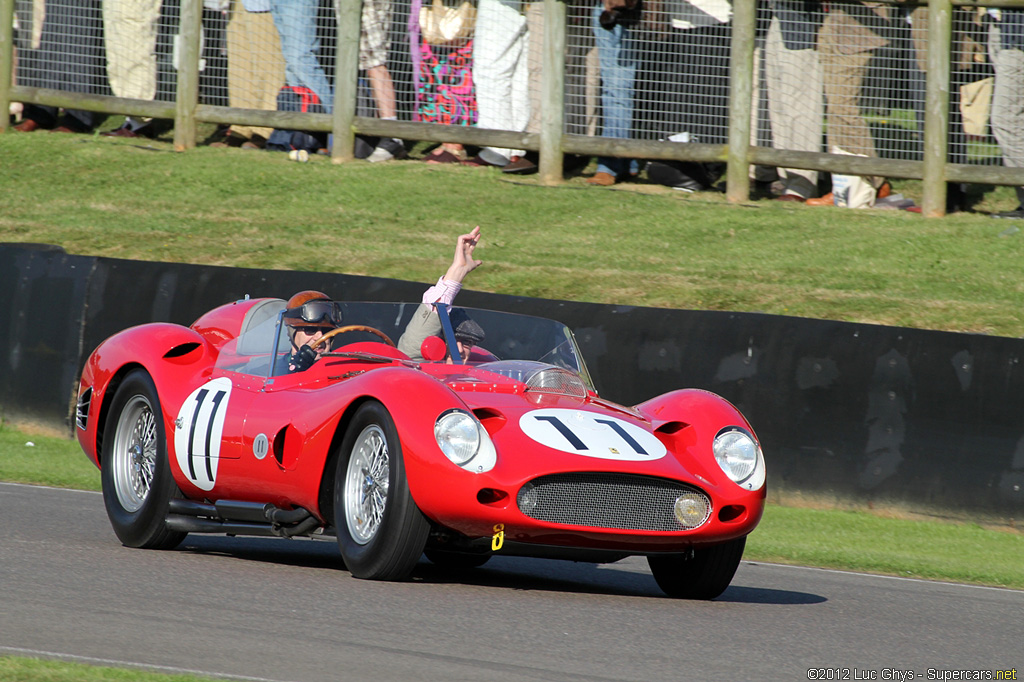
[442, 292]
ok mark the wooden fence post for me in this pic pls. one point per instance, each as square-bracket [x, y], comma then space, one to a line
[741, 84]
[346, 80]
[187, 96]
[6, 58]
[552, 84]
[936, 112]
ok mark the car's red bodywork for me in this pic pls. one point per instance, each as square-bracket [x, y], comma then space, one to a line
[277, 436]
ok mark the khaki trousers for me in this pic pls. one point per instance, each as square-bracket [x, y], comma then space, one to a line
[255, 64]
[130, 31]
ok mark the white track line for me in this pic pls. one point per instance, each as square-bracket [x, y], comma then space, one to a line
[56, 655]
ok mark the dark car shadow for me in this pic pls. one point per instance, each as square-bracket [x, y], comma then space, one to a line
[756, 595]
[299, 553]
[521, 573]
[547, 575]
[501, 572]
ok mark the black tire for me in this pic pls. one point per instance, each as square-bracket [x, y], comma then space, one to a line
[447, 558]
[136, 475]
[381, 532]
[701, 574]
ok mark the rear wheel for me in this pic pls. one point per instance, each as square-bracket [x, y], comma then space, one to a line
[136, 475]
[381, 532]
[699, 574]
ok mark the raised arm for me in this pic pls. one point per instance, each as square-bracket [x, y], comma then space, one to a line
[463, 262]
[424, 321]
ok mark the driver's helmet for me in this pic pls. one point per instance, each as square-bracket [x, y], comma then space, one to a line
[312, 309]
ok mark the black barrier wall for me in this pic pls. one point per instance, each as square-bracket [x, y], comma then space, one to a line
[863, 413]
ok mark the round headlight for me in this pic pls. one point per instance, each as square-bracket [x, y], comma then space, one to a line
[736, 452]
[458, 436]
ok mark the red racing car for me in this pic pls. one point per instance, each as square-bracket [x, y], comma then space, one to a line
[209, 429]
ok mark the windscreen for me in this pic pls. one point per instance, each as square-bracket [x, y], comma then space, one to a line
[508, 336]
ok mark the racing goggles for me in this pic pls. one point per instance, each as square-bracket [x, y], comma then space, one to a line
[317, 313]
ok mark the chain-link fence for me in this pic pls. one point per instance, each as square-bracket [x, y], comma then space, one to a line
[845, 87]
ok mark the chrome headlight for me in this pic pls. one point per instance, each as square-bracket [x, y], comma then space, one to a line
[740, 457]
[464, 441]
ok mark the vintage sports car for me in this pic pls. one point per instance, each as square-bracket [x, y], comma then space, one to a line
[204, 429]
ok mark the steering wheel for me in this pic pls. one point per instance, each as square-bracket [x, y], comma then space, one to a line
[352, 328]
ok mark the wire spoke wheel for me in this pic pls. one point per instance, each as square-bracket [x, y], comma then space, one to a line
[366, 484]
[134, 453]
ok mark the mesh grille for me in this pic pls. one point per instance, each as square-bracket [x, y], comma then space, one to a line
[618, 501]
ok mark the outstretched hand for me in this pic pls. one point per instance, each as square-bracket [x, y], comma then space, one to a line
[463, 263]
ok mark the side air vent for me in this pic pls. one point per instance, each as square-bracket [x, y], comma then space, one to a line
[82, 409]
[181, 350]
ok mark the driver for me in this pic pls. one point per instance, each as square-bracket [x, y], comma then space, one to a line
[425, 321]
[309, 315]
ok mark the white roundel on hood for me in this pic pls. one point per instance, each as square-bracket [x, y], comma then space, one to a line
[591, 434]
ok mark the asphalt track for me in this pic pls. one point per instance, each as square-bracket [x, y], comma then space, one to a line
[286, 610]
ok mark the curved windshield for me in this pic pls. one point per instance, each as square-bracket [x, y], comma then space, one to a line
[260, 348]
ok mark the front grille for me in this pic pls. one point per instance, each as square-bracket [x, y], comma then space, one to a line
[82, 409]
[621, 501]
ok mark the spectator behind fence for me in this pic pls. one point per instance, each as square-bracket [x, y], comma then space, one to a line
[374, 43]
[442, 66]
[613, 22]
[60, 45]
[1006, 47]
[296, 22]
[683, 77]
[130, 30]
[255, 68]
[534, 12]
[582, 71]
[793, 77]
[850, 35]
[500, 72]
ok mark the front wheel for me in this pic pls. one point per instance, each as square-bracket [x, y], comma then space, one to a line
[136, 476]
[700, 574]
[381, 532]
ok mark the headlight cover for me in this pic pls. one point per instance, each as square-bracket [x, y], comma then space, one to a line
[740, 457]
[464, 441]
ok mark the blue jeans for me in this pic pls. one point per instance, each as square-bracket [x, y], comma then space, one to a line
[616, 52]
[296, 25]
